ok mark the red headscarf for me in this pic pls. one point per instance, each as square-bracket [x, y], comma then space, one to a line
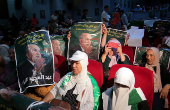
[116, 19]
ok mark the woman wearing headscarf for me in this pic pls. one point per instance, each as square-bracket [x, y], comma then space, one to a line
[113, 55]
[72, 85]
[116, 21]
[123, 95]
[9, 77]
[161, 79]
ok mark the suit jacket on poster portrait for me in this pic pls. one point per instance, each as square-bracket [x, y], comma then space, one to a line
[25, 72]
[93, 55]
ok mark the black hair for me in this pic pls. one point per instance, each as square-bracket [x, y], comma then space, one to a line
[56, 12]
[106, 6]
[64, 11]
[85, 10]
[122, 11]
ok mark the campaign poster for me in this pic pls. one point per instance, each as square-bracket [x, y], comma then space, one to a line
[140, 56]
[158, 24]
[118, 34]
[58, 44]
[86, 37]
[34, 60]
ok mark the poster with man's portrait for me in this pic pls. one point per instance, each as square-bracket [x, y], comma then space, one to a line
[58, 45]
[96, 11]
[140, 56]
[34, 59]
[117, 34]
[42, 14]
[124, 3]
[128, 4]
[86, 37]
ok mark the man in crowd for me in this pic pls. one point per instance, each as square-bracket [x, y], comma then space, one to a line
[124, 19]
[54, 18]
[138, 8]
[34, 21]
[13, 21]
[83, 18]
[32, 71]
[105, 17]
[61, 19]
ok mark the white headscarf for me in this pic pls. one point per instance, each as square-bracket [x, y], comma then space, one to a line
[81, 80]
[120, 96]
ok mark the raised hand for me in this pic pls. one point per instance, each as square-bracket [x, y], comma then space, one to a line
[39, 64]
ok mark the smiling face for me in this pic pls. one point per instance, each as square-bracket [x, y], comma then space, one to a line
[76, 67]
[150, 57]
[12, 55]
[33, 52]
[85, 39]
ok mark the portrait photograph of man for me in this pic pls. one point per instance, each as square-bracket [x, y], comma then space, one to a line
[58, 45]
[34, 64]
[87, 41]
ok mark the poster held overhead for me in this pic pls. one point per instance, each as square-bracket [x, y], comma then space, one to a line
[118, 34]
[34, 60]
[59, 45]
[86, 36]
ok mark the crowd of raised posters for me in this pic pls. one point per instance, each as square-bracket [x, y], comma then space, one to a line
[140, 56]
[86, 37]
[34, 59]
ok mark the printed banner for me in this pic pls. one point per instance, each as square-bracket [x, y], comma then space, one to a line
[34, 59]
[86, 36]
[58, 44]
[118, 34]
[165, 24]
[140, 56]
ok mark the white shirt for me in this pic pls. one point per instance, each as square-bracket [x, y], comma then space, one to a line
[54, 17]
[106, 16]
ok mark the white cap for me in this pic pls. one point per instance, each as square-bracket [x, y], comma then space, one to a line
[78, 56]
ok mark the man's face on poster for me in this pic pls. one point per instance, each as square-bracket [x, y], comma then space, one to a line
[85, 40]
[56, 47]
[33, 52]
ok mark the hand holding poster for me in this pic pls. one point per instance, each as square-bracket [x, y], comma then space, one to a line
[34, 60]
[86, 37]
[140, 56]
[58, 44]
[118, 34]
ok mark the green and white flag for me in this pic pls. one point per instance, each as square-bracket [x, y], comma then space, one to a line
[86, 36]
[34, 60]
[140, 56]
